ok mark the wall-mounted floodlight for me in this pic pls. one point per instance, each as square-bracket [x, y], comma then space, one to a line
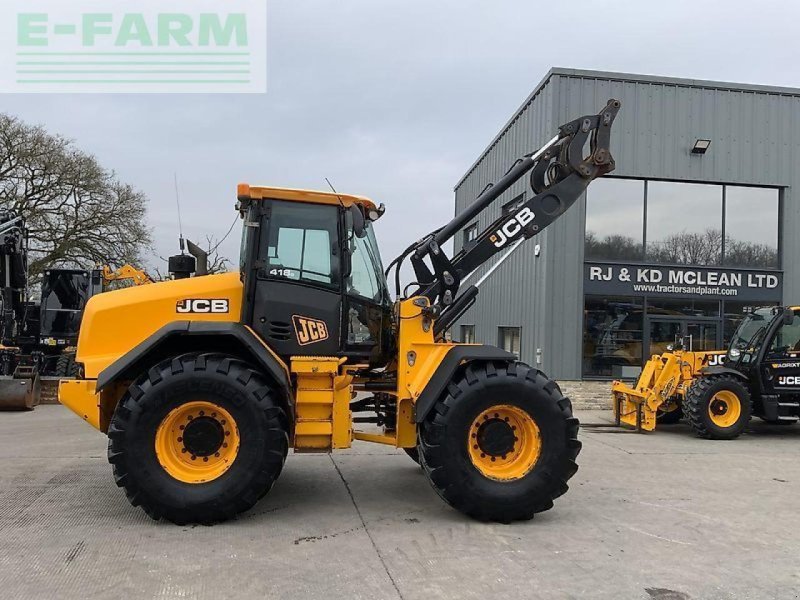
[701, 146]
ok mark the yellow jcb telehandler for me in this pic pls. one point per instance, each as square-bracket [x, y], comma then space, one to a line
[719, 391]
[214, 378]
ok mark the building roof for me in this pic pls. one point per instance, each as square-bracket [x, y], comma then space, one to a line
[629, 77]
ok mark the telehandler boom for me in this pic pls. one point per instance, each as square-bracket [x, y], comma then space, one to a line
[214, 378]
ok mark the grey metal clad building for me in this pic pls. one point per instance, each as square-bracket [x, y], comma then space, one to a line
[695, 227]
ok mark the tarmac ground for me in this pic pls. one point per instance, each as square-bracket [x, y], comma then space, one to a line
[661, 516]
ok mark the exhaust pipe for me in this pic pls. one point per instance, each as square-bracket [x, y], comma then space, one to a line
[201, 256]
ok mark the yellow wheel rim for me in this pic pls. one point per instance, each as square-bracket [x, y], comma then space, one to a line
[724, 408]
[504, 443]
[197, 442]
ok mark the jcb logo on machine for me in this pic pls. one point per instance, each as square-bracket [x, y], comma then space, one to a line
[203, 305]
[787, 380]
[309, 331]
[512, 227]
[715, 360]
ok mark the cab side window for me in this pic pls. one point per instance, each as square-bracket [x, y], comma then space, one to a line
[302, 243]
[787, 339]
[363, 280]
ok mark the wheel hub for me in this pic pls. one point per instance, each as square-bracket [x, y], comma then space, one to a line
[197, 442]
[203, 436]
[504, 442]
[719, 408]
[495, 437]
[724, 409]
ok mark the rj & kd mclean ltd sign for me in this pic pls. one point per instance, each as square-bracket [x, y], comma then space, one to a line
[628, 279]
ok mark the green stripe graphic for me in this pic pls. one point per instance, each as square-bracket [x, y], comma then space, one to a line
[143, 53]
[161, 81]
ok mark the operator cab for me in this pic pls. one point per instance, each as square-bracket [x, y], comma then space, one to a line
[766, 346]
[312, 273]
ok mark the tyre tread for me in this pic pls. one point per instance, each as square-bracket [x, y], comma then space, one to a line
[432, 453]
[131, 403]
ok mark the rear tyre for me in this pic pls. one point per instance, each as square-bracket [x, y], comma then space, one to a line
[501, 443]
[718, 407]
[199, 438]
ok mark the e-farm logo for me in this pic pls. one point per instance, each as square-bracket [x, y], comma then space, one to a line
[145, 46]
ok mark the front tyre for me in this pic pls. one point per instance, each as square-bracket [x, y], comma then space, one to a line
[718, 407]
[199, 438]
[501, 443]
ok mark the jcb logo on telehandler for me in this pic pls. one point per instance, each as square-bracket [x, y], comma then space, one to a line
[787, 380]
[309, 331]
[512, 227]
[203, 305]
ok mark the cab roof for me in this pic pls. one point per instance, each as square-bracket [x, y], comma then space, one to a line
[246, 191]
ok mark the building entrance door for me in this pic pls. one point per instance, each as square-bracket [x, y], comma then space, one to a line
[700, 335]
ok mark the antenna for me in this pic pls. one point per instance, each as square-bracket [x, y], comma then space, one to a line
[333, 189]
[178, 204]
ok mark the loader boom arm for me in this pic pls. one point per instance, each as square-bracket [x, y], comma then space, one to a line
[559, 173]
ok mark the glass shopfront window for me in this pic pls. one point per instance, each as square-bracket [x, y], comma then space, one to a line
[614, 219]
[751, 227]
[684, 223]
[612, 335]
[644, 242]
[683, 307]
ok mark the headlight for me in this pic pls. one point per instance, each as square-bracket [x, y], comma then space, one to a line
[670, 347]
[735, 353]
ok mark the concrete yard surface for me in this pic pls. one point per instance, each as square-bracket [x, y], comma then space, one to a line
[659, 516]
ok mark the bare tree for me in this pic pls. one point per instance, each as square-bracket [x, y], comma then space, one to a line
[683, 248]
[688, 248]
[78, 213]
[612, 247]
[216, 262]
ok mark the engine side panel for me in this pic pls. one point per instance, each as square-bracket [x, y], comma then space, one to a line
[115, 322]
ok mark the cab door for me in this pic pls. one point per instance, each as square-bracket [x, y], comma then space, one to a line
[367, 324]
[297, 298]
[780, 366]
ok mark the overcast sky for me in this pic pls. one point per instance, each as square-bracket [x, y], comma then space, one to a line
[395, 99]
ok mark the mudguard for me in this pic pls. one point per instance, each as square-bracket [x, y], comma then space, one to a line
[447, 368]
[718, 370]
[187, 336]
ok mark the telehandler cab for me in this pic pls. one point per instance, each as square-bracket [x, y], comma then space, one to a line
[214, 378]
[718, 391]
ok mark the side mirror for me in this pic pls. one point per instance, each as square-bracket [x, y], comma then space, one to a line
[359, 223]
[347, 262]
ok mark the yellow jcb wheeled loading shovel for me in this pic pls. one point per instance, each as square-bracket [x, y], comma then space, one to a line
[214, 378]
